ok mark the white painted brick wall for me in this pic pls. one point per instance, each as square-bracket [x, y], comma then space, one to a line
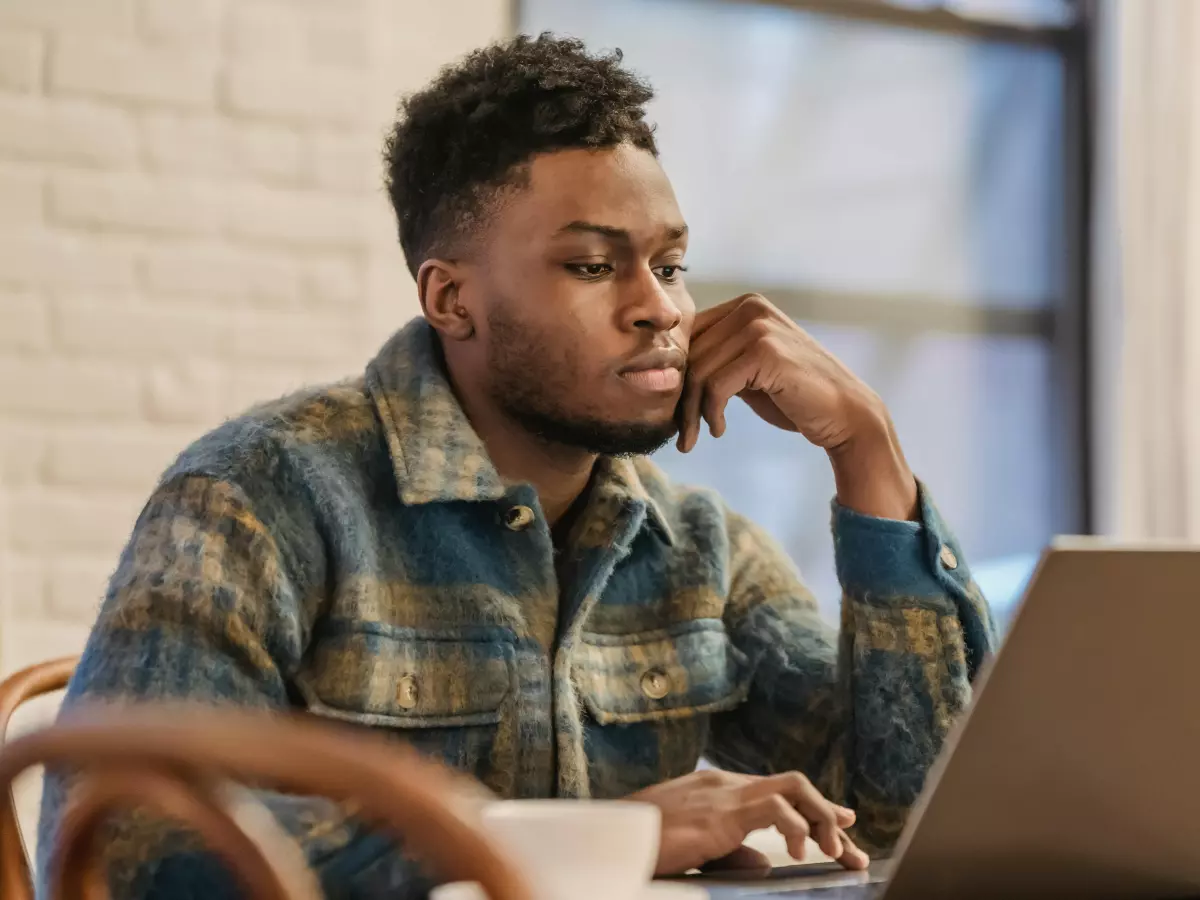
[191, 220]
[130, 70]
[20, 60]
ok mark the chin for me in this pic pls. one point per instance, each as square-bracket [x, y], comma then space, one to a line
[594, 430]
[646, 414]
[648, 424]
[638, 437]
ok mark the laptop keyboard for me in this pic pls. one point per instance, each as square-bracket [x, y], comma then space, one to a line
[845, 892]
[821, 882]
[848, 892]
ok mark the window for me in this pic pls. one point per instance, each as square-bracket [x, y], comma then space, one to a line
[902, 181]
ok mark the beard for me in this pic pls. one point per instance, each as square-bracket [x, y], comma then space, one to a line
[532, 377]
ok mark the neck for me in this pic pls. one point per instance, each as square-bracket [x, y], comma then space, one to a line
[558, 473]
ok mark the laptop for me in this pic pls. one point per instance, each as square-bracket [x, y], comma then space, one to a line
[1076, 771]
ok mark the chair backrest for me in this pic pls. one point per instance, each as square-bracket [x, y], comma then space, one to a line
[179, 762]
[35, 681]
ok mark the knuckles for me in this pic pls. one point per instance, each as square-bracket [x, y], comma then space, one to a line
[760, 329]
[758, 305]
[796, 780]
[712, 778]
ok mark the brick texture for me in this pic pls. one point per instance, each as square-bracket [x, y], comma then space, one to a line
[210, 145]
[69, 16]
[51, 259]
[129, 71]
[129, 457]
[195, 24]
[20, 60]
[51, 521]
[192, 218]
[209, 272]
[292, 93]
[136, 203]
[24, 321]
[23, 454]
[20, 195]
[74, 589]
[66, 132]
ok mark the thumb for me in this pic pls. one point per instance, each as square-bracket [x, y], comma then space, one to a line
[744, 861]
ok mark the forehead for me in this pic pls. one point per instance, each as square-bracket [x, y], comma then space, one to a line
[622, 187]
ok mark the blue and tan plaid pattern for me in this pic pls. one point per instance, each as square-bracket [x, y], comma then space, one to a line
[347, 550]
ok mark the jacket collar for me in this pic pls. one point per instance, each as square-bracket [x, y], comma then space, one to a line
[436, 455]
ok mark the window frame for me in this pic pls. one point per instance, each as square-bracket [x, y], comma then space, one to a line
[1065, 323]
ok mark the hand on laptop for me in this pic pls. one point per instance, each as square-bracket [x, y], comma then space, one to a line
[707, 815]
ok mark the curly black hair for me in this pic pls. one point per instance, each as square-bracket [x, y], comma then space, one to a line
[465, 137]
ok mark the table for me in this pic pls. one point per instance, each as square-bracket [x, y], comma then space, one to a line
[806, 883]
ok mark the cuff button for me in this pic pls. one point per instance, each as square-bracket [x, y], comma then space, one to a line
[949, 560]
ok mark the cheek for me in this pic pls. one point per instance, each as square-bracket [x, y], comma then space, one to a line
[554, 353]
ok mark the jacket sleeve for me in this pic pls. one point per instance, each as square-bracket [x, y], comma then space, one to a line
[213, 601]
[862, 713]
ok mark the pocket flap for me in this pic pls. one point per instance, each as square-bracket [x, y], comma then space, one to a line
[405, 678]
[685, 670]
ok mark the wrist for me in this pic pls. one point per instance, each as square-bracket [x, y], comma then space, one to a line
[870, 471]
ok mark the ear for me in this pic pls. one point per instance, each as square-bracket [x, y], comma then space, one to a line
[438, 285]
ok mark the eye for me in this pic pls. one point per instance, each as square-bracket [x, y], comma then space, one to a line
[672, 273]
[589, 271]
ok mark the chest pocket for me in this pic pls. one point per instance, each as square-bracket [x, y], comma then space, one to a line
[649, 697]
[444, 695]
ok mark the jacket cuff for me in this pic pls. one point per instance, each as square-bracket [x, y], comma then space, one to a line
[879, 559]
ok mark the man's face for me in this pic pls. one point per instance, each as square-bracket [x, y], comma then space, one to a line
[585, 316]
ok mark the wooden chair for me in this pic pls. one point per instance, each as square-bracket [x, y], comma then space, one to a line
[180, 762]
[17, 689]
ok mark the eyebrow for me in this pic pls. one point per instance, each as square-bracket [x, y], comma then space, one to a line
[621, 235]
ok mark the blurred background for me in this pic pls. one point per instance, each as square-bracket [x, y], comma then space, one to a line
[907, 191]
[985, 207]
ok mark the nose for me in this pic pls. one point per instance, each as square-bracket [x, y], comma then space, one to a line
[651, 306]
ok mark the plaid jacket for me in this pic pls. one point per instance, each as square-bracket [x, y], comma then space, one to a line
[353, 551]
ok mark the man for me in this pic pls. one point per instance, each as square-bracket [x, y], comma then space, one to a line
[467, 549]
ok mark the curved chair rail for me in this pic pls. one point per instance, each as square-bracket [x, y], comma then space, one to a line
[178, 760]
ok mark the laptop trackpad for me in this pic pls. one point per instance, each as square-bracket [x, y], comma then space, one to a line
[826, 881]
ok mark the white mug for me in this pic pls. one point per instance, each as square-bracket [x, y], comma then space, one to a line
[574, 849]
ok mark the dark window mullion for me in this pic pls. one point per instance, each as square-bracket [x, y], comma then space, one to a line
[932, 20]
[891, 313]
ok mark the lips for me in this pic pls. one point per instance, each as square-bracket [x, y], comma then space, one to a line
[659, 370]
[654, 379]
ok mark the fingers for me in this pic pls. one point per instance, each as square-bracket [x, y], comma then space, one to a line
[744, 859]
[707, 816]
[733, 319]
[697, 401]
[773, 811]
[722, 387]
[707, 318]
[822, 815]
[746, 307]
[722, 338]
[852, 858]
[728, 345]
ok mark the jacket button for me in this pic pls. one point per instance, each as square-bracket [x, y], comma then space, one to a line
[949, 560]
[406, 692]
[518, 518]
[655, 684]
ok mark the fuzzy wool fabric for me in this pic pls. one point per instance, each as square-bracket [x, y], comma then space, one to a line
[352, 551]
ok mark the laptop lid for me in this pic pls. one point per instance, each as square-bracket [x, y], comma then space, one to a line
[1076, 772]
